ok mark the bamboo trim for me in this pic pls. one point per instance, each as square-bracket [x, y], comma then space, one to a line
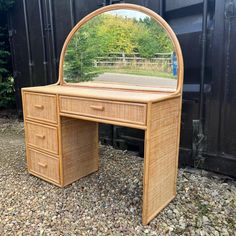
[122, 87]
[142, 9]
[145, 219]
[48, 180]
[42, 122]
[177, 144]
[171, 96]
[105, 121]
[102, 100]
[44, 151]
[97, 146]
[38, 150]
[38, 93]
[25, 129]
[65, 91]
[61, 172]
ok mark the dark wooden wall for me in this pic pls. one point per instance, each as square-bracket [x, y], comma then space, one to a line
[206, 30]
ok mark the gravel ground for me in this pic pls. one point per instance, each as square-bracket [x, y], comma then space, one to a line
[107, 202]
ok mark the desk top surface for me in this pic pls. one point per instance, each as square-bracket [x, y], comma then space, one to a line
[101, 93]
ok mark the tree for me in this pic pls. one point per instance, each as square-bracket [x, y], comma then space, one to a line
[107, 34]
[152, 38]
[7, 97]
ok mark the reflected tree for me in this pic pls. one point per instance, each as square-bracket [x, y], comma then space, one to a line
[107, 34]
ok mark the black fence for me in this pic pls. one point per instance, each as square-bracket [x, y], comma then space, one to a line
[206, 30]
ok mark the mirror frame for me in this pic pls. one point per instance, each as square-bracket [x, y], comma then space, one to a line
[126, 6]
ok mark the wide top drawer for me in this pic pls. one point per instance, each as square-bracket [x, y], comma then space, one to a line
[134, 113]
[40, 107]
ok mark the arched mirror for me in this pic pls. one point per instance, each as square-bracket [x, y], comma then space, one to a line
[121, 46]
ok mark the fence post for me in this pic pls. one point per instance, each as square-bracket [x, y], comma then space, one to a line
[123, 58]
[174, 64]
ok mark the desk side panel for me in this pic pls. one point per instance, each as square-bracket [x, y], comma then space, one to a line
[79, 148]
[161, 156]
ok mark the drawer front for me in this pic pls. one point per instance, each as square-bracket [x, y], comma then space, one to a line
[118, 111]
[43, 165]
[43, 137]
[41, 107]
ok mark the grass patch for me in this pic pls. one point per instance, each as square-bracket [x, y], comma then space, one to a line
[179, 231]
[231, 222]
[203, 209]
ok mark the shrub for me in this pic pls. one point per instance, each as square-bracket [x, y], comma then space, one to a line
[7, 96]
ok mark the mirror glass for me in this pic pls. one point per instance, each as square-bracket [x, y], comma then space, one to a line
[121, 48]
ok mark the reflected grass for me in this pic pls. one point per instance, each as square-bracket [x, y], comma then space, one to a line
[133, 72]
[90, 75]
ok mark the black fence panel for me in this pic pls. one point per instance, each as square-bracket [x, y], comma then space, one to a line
[206, 30]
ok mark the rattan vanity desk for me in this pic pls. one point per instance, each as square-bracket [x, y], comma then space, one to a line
[61, 124]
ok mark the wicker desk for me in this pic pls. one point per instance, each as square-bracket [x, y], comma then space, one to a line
[61, 124]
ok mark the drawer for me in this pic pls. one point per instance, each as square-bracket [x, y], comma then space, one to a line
[43, 165]
[118, 111]
[40, 107]
[42, 136]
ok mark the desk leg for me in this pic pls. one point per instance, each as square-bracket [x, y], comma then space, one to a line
[79, 140]
[161, 157]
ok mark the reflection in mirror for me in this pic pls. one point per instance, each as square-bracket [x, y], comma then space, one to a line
[121, 47]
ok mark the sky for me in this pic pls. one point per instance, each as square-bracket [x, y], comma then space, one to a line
[129, 13]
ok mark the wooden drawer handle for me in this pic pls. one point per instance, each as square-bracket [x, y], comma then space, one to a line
[42, 165]
[39, 106]
[99, 108]
[40, 136]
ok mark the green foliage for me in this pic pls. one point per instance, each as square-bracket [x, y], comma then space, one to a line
[81, 51]
[106, 34]
[152, 39]
[7, 97]
[5, 5]
[4, 53]
[115, 34]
